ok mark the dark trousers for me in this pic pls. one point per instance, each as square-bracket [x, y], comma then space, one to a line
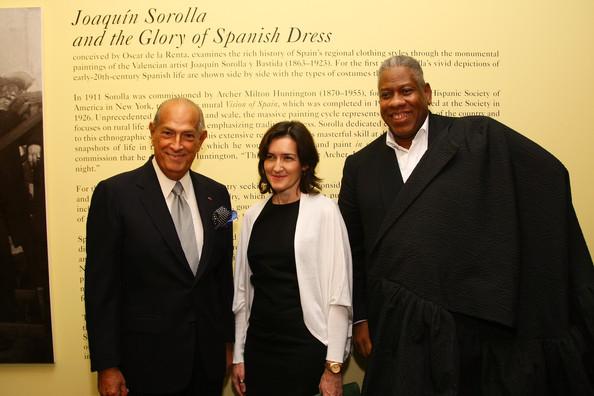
[200, 384]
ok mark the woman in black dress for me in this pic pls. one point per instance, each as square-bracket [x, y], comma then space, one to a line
[293, 277]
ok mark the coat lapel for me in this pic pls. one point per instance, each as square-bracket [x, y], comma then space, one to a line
[206, 208]
[441, 150]
[388, 174]
[156, 208]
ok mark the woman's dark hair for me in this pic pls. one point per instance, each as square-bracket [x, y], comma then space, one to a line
[306, 150]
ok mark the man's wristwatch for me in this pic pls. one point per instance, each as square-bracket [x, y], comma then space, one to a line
[334, 367]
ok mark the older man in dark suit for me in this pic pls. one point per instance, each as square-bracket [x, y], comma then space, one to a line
[158, 279]
[471, 274]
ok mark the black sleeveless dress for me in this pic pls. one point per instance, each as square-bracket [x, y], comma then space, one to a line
[281, 356]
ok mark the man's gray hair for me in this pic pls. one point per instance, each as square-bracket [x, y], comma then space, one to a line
[201, 127]
[404, 61]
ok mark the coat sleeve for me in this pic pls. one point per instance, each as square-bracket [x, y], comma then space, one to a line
[340, 313]
[349, 207]
[225, 279]
[103, 279]
[242, 294]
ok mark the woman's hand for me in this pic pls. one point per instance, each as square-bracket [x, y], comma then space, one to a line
[238, 376]
[331, 384]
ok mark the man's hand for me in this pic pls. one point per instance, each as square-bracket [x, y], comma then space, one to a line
[111, 382]
[229, 356]
[331, 384]
[237, 377]
[361, 339]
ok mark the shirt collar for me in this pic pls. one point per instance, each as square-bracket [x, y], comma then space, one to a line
[421, 134]
[167, 184]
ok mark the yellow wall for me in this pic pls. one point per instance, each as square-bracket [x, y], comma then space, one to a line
[542, 73]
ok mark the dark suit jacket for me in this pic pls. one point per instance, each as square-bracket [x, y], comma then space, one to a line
[145, 310]
[370, 182]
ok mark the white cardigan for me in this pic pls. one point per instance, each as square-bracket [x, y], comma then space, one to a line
[324, 275]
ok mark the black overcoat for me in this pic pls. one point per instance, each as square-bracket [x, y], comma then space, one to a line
[482, 232]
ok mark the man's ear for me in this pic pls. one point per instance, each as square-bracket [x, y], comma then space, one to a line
[428, 93]
[203, 136]
[201, 139]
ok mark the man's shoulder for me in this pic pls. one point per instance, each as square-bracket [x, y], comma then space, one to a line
[120, 188]
[371, 149]
[475, 121]
[518, 145]
[125, 178]
[207, 181]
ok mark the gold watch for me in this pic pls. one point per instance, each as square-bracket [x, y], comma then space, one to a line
[334, 367]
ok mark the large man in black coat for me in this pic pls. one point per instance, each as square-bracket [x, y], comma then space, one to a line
[471, 274]
[156, 323]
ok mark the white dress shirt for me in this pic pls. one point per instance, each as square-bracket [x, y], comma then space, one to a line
[409, 158]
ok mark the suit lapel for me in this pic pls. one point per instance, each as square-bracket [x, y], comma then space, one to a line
[388, 174]
[440, 152]
[206, 208]
[156, 208]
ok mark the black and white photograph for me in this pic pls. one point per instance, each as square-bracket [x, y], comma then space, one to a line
[25, 322]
